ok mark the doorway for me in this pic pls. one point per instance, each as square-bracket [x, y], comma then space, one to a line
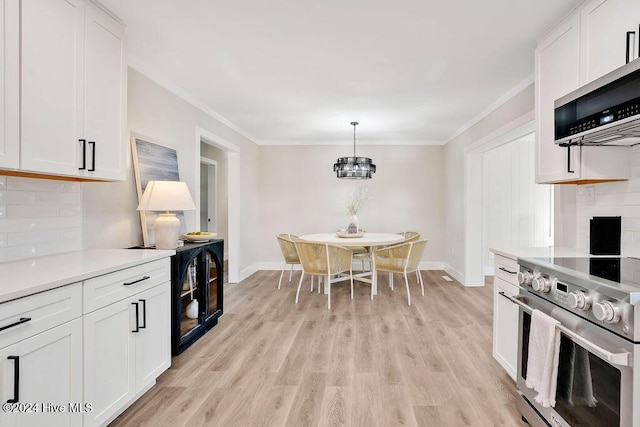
[208, 194]
[476, 256]
[227, 196]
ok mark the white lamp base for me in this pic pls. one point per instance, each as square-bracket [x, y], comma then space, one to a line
[166, 228]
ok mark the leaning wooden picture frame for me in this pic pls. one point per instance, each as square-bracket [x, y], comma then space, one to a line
[153, 162]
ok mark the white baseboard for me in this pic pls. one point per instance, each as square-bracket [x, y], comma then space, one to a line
[454, 273]
[248, 271]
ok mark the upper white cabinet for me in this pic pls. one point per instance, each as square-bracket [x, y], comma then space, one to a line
[73, 82]
[605, 45]
[104, 95]
[567, 57]
[9, 79]
[51, 82]
[557, 73]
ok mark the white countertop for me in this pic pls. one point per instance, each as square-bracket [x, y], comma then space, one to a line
[30, 276]
[540, 252]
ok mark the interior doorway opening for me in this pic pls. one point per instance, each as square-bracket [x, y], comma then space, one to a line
[208, 194]
[227, 197]
[518, 205]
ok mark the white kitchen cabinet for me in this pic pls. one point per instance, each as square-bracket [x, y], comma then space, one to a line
[558, 72]
[126, 347]
[153, 343]
[604, 27]
[104, 96]
[50, 377]
[505, 315]
[41, 347]
[109, 381]
[73, 84]
[9, 79]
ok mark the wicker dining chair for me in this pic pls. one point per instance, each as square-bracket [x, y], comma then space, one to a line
[324, 260]
[410, 236]
[289, 252]
[402, 258]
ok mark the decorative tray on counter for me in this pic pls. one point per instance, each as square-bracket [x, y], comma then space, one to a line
[202, 237]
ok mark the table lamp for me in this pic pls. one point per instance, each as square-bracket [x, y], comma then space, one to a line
[166, 196]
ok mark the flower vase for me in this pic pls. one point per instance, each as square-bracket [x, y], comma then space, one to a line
[354, 225]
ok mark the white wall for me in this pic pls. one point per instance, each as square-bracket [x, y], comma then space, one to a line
[300, 194]
[517, 106]
[610, 199]
[110, 219]
[39, 217]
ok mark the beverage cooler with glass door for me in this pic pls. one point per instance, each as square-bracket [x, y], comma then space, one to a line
[196, 297]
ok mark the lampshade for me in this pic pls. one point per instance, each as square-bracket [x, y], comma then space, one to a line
[166, 196]
[354, 167]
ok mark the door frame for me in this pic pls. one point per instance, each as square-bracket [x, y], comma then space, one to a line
[473, 274]
[233, 199]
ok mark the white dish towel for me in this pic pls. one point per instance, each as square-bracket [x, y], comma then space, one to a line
[544, 349]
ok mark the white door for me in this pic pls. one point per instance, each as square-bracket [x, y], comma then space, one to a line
[49, 366]
[104, 102]
[153, 342]
[109, 381]
[10, 81]
[51, 84]
[557, 74]
[604, 27]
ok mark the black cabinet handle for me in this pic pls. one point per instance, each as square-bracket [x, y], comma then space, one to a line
[144, 313]
[136, 281]
[629, 49]
[137, 329]
[84, 154]
[16, 379]
[93, 156]
[19, 322]
[507, 271]
[569, 170]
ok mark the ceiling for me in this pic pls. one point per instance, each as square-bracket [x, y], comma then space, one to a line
[299, 71]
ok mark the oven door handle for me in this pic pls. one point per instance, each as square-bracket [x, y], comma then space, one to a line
[620, 359]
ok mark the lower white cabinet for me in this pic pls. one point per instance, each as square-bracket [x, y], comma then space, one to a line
[505, 326]
[126, 347]
[48, 371]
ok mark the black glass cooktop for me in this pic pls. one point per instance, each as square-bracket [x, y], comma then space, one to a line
[616, 269]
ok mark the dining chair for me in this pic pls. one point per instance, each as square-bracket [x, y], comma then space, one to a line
[324, 260]
[289, 252]
[410, 236]
[402, 258]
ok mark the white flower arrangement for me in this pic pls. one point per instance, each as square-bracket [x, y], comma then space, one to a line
[355, 201]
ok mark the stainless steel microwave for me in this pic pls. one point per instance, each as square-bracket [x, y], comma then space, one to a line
[603, 112]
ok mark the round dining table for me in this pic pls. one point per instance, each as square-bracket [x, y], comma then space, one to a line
[371, 240]
[368, 239]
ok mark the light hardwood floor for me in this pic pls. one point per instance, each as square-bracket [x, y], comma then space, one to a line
[270, 362]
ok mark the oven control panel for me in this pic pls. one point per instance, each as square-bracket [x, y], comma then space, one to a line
[587, 303]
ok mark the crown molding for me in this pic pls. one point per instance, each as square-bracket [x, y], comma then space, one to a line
[500, 101]
[175, 89]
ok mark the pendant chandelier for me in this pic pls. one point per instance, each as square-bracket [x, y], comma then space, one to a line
[354, 167]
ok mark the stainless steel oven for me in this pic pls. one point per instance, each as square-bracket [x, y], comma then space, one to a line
[596, 383]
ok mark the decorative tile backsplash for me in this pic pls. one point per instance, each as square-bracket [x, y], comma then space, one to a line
[39, 217]
[612, 199]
